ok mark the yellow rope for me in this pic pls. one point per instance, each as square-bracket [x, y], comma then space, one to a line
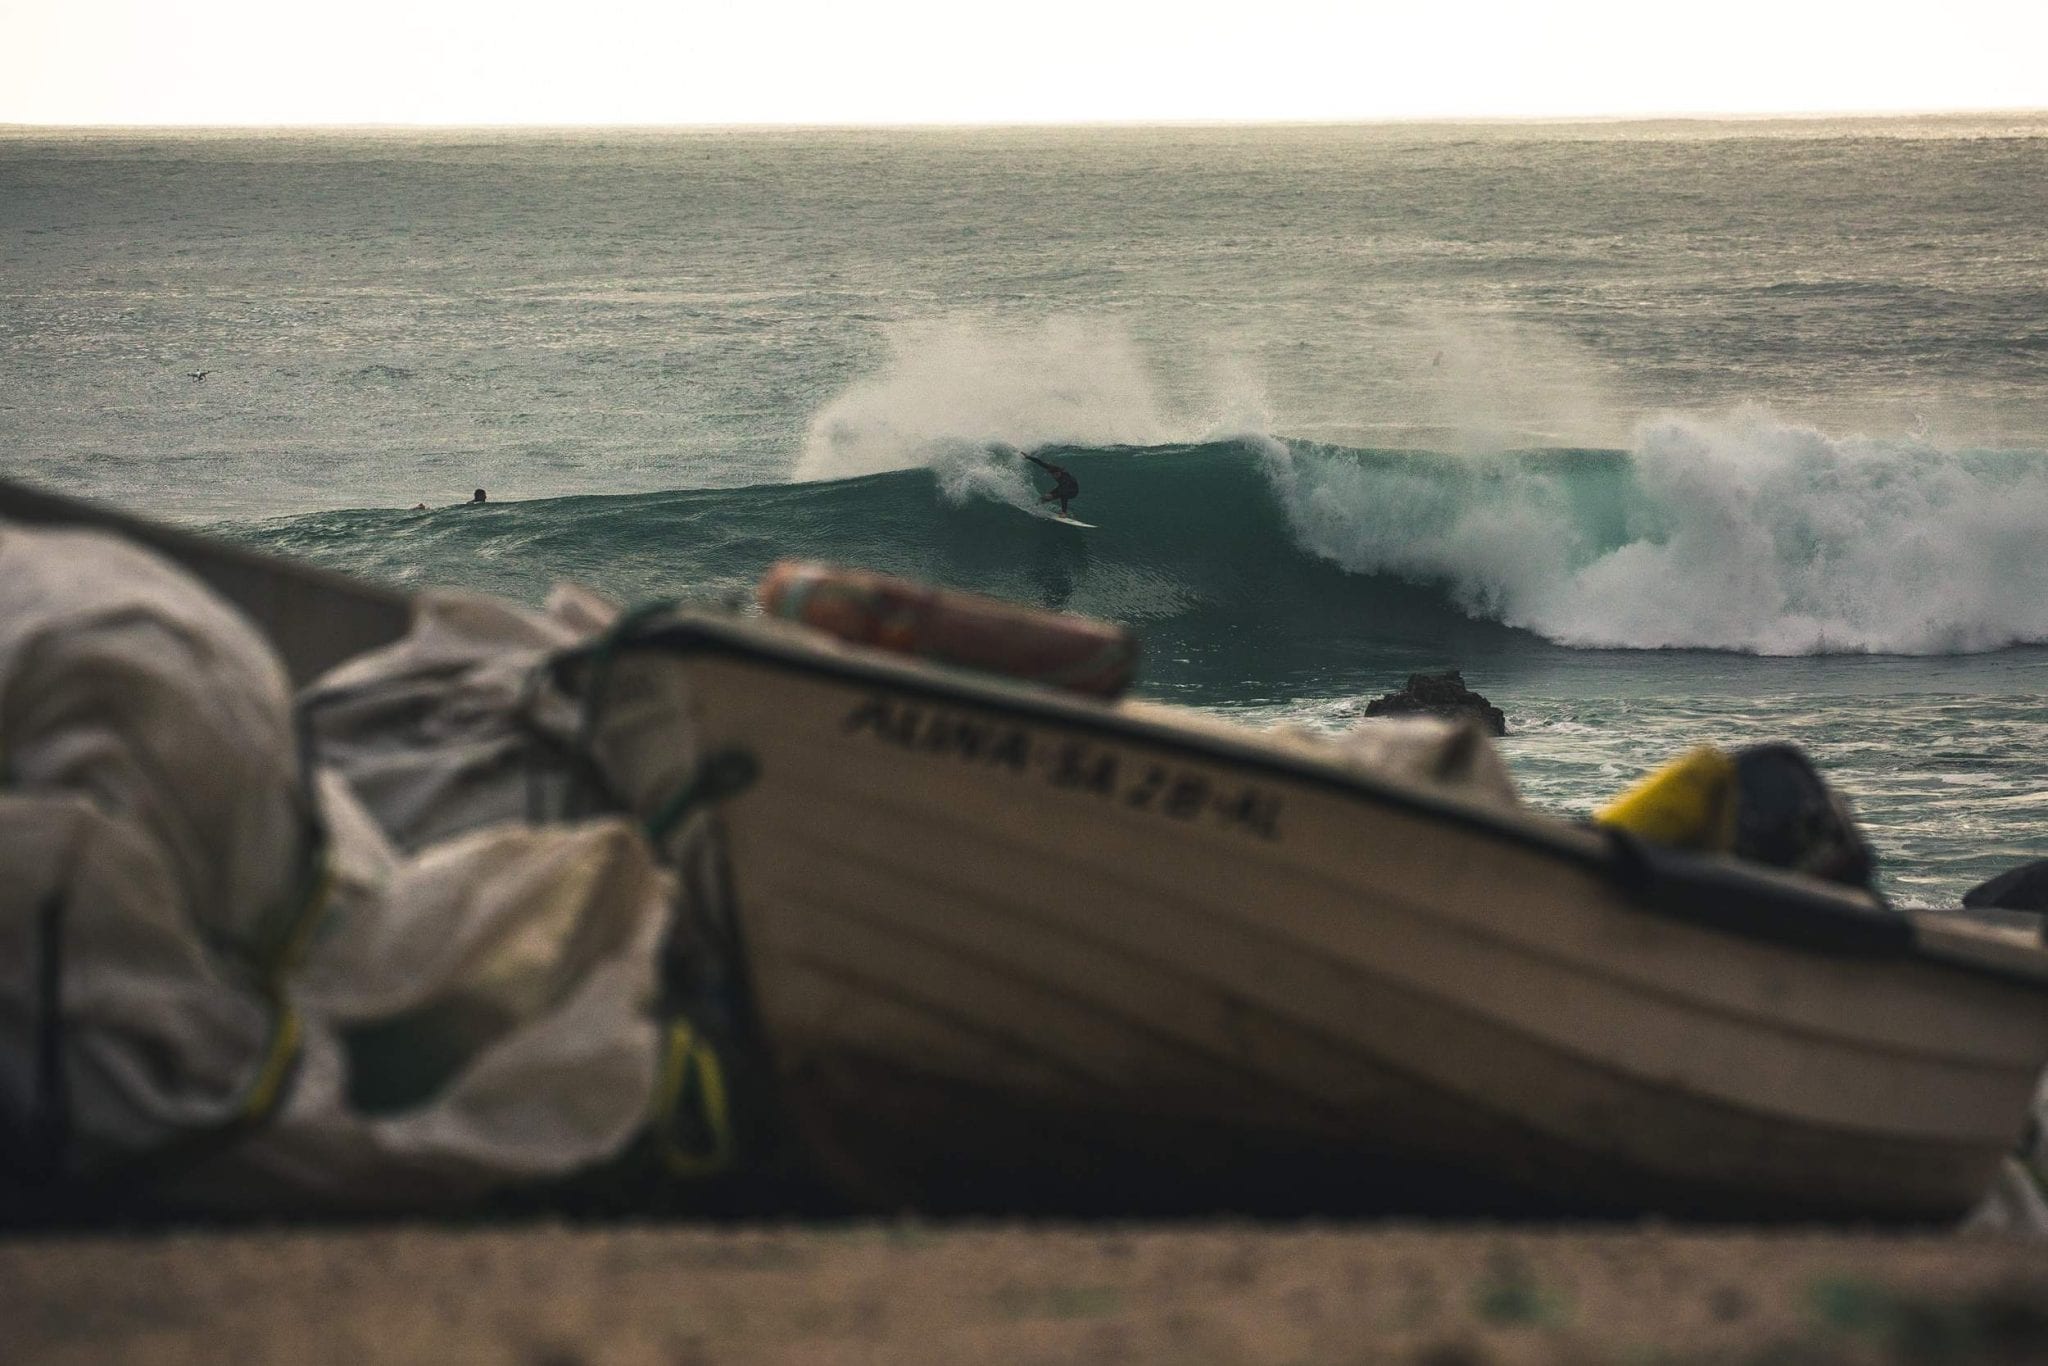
[266, 1089]
[689, 1055]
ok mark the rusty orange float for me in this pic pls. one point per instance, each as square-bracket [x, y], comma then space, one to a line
[965, 630]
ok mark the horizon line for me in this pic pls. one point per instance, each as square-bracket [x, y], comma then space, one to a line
[1416, 120]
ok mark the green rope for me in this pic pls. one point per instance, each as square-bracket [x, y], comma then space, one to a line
[723, 773]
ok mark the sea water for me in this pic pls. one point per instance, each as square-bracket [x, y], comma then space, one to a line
[1663, 434]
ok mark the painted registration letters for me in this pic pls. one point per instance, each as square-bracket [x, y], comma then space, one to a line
[1071, 765]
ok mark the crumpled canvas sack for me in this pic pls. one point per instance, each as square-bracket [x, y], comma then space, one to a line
[186, 1008]
[104, 972]
[476, 1015]
[128, 683]
[451, 728]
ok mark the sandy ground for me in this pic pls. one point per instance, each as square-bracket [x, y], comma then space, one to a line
[681, 1295]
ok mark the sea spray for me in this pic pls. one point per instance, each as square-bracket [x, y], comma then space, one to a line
[956, 383]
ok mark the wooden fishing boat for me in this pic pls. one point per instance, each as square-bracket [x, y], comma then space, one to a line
[1009, 948]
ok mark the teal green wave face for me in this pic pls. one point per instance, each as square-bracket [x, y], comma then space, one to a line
[1192, 546]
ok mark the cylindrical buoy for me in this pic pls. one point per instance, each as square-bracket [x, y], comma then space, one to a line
[965, 630]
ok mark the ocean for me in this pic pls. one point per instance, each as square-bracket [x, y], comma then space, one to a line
[1664, 434]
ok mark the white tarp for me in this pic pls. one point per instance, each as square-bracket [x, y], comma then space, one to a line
[128, 683]
[480, 1013]
[446, 730]
[155, 850]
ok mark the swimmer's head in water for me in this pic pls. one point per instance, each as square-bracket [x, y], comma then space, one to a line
[479, 497]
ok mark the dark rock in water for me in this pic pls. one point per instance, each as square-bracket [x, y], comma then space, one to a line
[2024, 888]
[1787, 816]
[1443, 694]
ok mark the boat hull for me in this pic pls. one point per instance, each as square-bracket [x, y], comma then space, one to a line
[1009, 950]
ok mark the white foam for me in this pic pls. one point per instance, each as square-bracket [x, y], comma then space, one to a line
[1751, 534]
[994, 472]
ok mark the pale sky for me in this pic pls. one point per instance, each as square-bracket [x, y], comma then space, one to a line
[1011, 61]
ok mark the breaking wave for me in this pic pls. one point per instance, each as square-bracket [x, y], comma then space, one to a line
[1743, 534]
[1256, 564]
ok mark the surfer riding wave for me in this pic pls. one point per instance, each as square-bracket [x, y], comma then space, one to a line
[1066, 488]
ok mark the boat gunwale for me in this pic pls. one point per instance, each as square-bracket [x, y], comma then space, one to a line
[1710, 891]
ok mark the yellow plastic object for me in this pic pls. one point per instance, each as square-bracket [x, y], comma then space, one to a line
[1690, 803]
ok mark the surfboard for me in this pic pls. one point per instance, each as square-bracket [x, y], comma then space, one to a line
[1071, 521]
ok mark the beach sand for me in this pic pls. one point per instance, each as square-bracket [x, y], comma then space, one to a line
[680, 1295]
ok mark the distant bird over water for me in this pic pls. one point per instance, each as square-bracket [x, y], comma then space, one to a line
[199, 374]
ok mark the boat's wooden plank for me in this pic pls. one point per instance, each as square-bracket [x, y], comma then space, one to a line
[1393, 877]
[1141, 955]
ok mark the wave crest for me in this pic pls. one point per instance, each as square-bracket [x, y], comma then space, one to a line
[1745, 533]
